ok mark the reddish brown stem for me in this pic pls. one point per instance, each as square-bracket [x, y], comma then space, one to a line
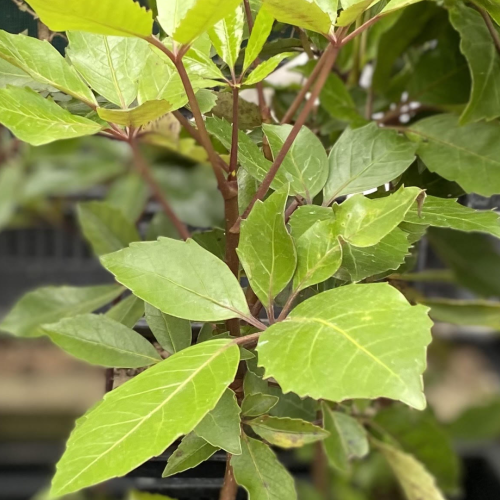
[359, 30]
[233, 162]
[230, 487]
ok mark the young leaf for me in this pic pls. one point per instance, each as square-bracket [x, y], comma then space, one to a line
[352, 9]
[264, 69]
[266, 249]
[128, 311]
[50, 304]
[305, 166]
[100, 340]
[257, 404]
[227, 35]
[287, 432]
[414, 479]
[110, 65]
[347, 439]
[38, 121]
[365, 158]
[105, 17]
[458, 153]
[221, 427]
[306, 216]
[330, 7]
[173, 334]
[192, 451]
[135, 117]
[364, 222]
[260, 33]
[319, 254]
[261, 474]
[105, 227]
[441, 212]
[42, 62]
[302, 13]
[129, 426]
[191, 284]
[394, 5]
[377, 339]
[478, 46]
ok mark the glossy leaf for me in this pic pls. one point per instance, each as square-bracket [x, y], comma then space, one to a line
[377, 339]
[173, 334]
[365, 158]
[42, 62]
[261, 30]
[264, 69]
[105, 227]
[128, 311]
[111, 65]
[102, 341]
[50, 304]
[260, 473]
[38, 121]
[257, 404]
[135, 117]
[287, 432]
[123, 430]
[266, 249]
[306, 216]
[302, 13]
[192, 451]
[348, 438]
[221, 427]
[191, 284]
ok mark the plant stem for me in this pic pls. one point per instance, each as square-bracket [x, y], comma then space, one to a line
[360, 29]
[247, 339]
[144, 170]
[286, 308]
[491, 28]
[230, 487]
[233, 162]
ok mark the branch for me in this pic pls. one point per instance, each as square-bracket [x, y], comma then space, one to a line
[230, 486]
[359, 30]
[491, 28]
[247, 339]
[233, 162]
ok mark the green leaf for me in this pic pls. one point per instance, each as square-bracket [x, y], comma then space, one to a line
[396, 5]
[458, 153]
[352, 9]
[478, 423]
[135, 117]
[302, 13]
[388, 254]
[249, 113]
[123, 431]
[364, 222]
[12, 75]
[330, 7]
[414, 479]
[491, 7]
[129, 193]
[227, 34]
[11, 177]
[142, 495]
[257, 404]
[306, 216]
[478, 47]
[319, 254]
[207, 99]
[260, 33]
[192, 451]
[261, 474]
[214, 241]
[266, 249]
[366, 158]
[377, 339]
[191, 284]
[42, 62]
[110, 65]
[221, 427]
[38, 121]
[441, 212]
[347, 439]
[100, 340]
[287, 432]
[247, 188]
[173, 334]
[105, 227]
[305, 166]
[50, 304]
[264, 69]
[105, 17]
[186, 20]
[128, 311]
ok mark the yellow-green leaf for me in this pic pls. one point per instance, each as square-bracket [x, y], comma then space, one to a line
[135, 117]
[264, 69]
[260, 33]
[302, 13]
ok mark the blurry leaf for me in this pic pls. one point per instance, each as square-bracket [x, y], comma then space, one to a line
[110, 434]
[306, 216]
[257, 404]
[266, 249]
[264, 69]
[161, 225]
[142, 495]
[261, 474]
[261, 30]
[11, 177]
[111, 65]
[100, 340]
[135, 117]
[49, 304]
[105, 227]
[214, 241]
[128, 311]
[302, 13]
[191, 284]
[247, 188]
[173, 334]
[38, 121]
[221, 427]
[366, 158]
[129, 194]
[287, 432]
[343, 323]
[479, 423]
[42, 62]
[458, 153]
[207, 99]
[347, 439]
[352, 9]
[127, 18]
[192, 451]
[396, 5]
[249, 113]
